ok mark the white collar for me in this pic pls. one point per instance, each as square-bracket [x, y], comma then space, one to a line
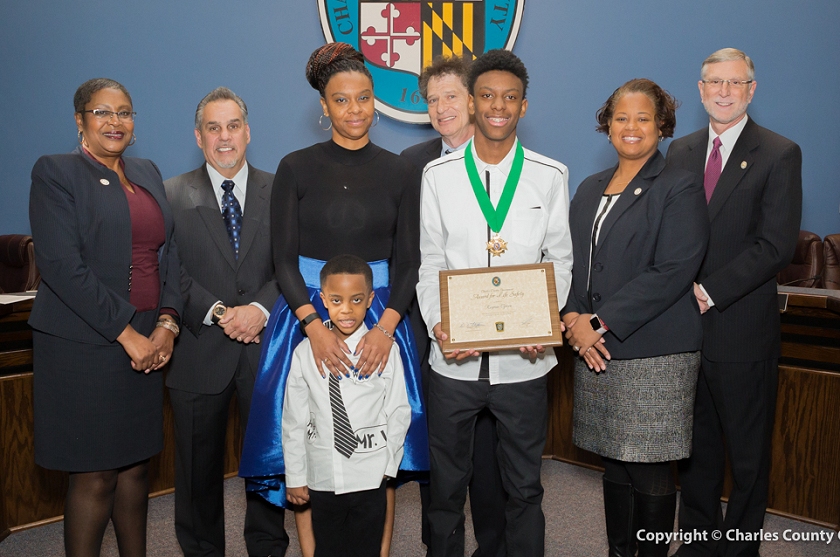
[240, 179]
[357, 335]
[729, 137]
[504, 165]
[444, 147]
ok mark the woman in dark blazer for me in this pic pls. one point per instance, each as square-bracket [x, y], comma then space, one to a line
[639, 232]
[104, 320]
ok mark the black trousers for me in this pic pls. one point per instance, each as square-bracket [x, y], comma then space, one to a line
[520, 410]
[486, 492]
[200, 427]
[733, 413]
[350, 524]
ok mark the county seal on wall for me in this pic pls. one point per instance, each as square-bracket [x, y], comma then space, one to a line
[400, 38]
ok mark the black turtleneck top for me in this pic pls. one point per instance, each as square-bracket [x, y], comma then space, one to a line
[328, 201]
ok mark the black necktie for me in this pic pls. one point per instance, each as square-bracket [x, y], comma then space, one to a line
[345, 441]
[232, 213]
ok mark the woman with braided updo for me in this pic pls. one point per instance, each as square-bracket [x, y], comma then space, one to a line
[345, 195]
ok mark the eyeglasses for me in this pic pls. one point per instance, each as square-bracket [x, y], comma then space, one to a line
[734, 83]
[124, 115]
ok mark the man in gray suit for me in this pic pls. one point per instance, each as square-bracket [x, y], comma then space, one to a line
[227, 281]
[753, 182]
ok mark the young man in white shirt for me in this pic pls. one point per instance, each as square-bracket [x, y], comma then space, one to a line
[343, 437]
[443, 85]
[531, 192]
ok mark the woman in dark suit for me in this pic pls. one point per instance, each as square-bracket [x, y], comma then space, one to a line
[104, 320]
[639, 231]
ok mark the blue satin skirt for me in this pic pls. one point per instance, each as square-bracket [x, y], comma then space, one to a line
[262, 463]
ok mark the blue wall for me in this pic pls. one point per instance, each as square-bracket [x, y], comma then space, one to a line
[169, 54]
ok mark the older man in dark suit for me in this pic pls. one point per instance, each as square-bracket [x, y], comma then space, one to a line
[227, 281]
[753, 182]
[444, 88]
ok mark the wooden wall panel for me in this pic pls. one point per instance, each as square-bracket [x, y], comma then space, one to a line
[805, 474]
[31, 494]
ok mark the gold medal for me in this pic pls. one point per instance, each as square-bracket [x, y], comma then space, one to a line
[496, 245]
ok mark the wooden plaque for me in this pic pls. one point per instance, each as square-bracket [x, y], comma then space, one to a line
[500, 308]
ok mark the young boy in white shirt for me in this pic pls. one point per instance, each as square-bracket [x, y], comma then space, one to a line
[342, 437]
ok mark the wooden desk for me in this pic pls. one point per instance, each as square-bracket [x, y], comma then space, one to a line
[31, 495]
[805, 470]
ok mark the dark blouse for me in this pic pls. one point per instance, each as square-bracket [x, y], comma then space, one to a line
[328, 201]
[147, 236]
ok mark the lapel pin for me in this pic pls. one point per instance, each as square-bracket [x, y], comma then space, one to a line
[104, 182]
[743, 165]
[637, 191]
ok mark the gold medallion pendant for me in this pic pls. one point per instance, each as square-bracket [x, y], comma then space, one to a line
[496, 245]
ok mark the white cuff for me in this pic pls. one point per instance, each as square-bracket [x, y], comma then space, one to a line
[208, 319]
[262, 308]
[708, 298]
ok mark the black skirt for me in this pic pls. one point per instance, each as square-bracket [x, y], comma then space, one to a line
[92, 410]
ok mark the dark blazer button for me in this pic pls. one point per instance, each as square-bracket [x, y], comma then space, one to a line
[598, 267]
[596, 297]
[240, 292]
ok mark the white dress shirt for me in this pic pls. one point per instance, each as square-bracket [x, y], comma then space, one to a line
[727, 142]
[379, 415]
[453, 235]
[446, 149]
[240, 185]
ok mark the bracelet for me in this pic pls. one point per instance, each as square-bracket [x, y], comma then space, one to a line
[384, 332]
[307, 320]
[169, 325]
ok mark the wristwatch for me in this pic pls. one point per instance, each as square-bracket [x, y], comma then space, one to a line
[306, 321]
[597, 325]
[219, 311]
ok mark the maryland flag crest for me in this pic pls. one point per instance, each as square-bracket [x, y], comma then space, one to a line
[400, 38]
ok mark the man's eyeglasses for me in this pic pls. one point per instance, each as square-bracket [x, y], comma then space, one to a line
[734, 83]
[99, 114]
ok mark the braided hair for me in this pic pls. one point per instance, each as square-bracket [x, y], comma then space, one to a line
[333, 58]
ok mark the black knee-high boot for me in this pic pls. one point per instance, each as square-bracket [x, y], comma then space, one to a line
[618, 510]
[655, 513]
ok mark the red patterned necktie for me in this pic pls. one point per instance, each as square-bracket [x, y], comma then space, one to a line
[713, 169]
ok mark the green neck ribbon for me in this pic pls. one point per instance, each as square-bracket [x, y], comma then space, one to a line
[495, 217]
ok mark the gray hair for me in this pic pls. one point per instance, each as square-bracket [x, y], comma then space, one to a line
[90, 87]
[219, 94]
[728, 55]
